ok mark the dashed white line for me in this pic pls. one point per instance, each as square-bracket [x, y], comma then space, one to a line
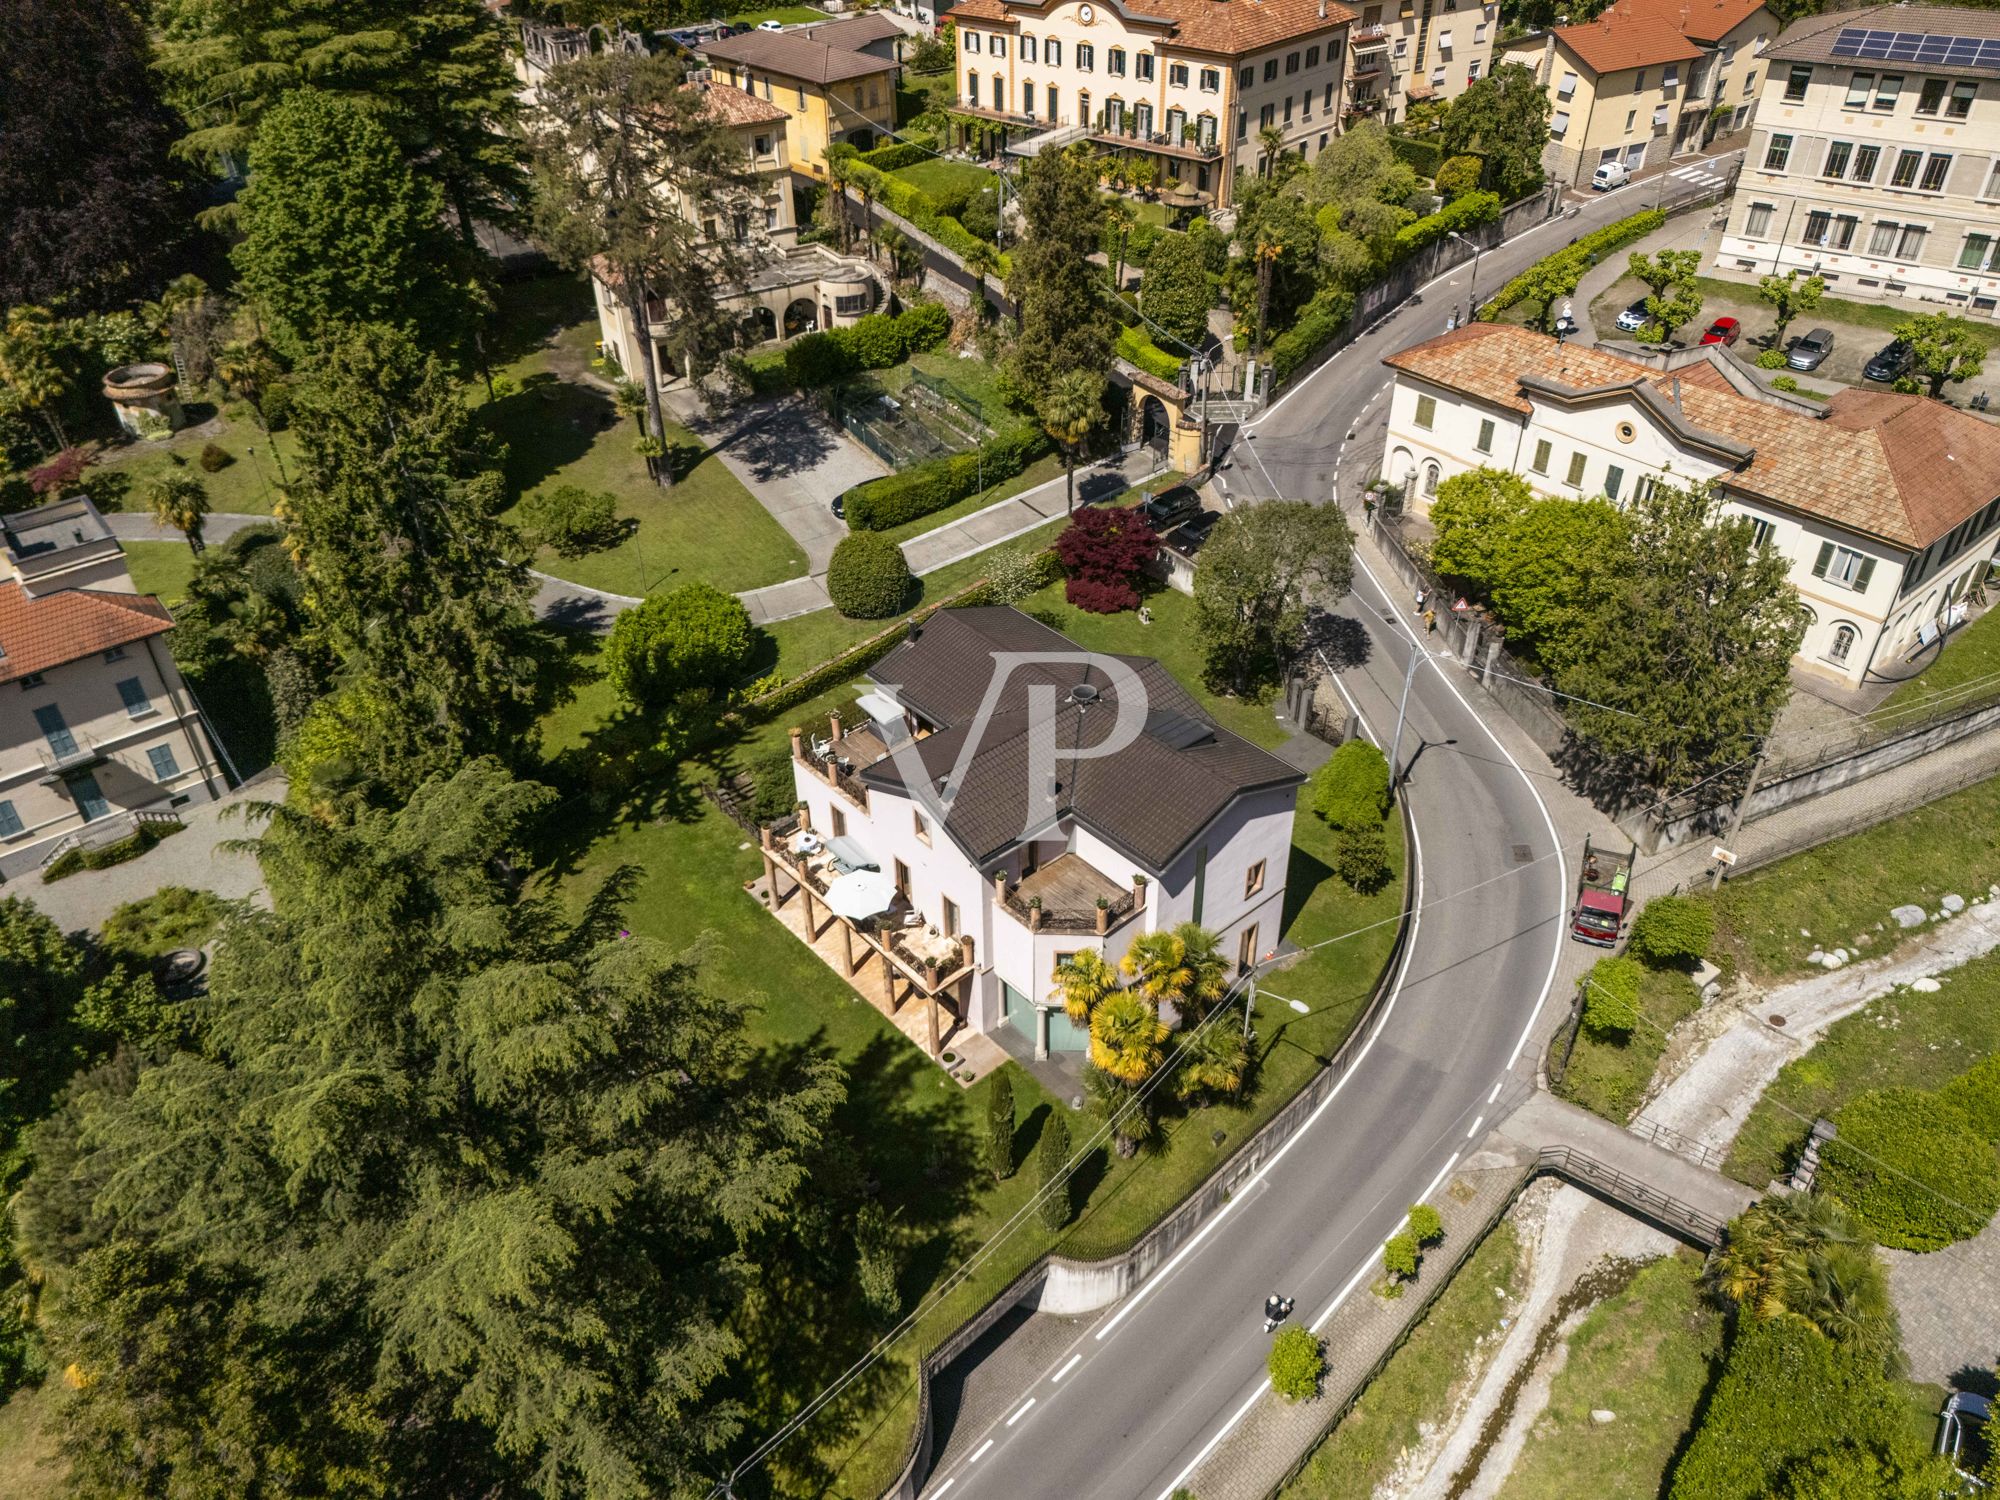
[1496, 1092]
[980, 1452]
[1474, 1130]
[943, 1487]
[1074, 1361]
[1022, 1412]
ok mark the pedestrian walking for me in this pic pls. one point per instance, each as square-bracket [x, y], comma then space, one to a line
[1430, 622]
[1422, 595]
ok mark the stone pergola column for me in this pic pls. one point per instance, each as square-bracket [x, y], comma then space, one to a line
[812, 917]
[1041, 1033]
[768, 847]
[1138, 893]
[833, 726]
[931, 1020]
[1103, 918]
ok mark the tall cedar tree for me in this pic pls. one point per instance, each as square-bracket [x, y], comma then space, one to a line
[407, 566]
[437, 76]
[1504, 118]
[1065, 326]
[452, 1196]
[339, 231]
[89, 204]
[629, 161]
[1260, 570]
[1692, 657]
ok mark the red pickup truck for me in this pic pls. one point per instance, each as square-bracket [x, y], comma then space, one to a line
[1603, 896]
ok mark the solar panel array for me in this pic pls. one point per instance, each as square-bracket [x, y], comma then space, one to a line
[1918, 47]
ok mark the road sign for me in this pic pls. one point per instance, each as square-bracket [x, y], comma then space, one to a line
[1722, 856]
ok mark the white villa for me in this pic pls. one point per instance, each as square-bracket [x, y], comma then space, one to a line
[1187, 822]
[1888, 506]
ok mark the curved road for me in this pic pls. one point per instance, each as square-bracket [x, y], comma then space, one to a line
[1131, 1409]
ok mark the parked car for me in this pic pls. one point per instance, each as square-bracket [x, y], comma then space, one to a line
[1891, 364]
[839, 506]
[1810, 352]
[1170, 507]
[770, 25]
[1612, 174]
[1723, 331]
[1635, 317]
[1960, 1408]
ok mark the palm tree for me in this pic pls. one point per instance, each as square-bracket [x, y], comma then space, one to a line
[1071, 406]
[178, 500]
[1135, 1123]
[1801, 1256]
[1272, 139]
[1267, 253]
[890, 241]
[1118, 219]
[1843, 1291]
[28, 364]
[1086, 979]
[982, 260]
[1180, 966]
[1212, 1061]
[1125, 1037]
[836, 187]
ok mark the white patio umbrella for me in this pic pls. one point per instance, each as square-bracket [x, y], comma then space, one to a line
[862, 894]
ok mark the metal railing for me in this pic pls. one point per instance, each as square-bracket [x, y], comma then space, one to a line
[1641, 1198]
[1197, 148]
[1684, 1146]
[74, 750]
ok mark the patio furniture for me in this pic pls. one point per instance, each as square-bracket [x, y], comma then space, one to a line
[861, 894]
[806, 842]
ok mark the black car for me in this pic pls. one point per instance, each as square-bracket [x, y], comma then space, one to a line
[1170, 507]
[1891, 364]
[839, 506]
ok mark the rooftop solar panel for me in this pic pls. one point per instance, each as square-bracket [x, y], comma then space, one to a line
[1917, 47]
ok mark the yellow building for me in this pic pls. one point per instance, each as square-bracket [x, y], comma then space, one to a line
[1645, 81]
[829, 91]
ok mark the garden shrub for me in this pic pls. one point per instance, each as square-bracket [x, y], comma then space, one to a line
[1424, 157]
[1296, 1364]
[572, 520]
[104, 856]
[1976, 1095]
[174, 916]
[692, 639]
[1458, 216]
[214, 458]
[1361, 858]
[1425, 1224]
[889, 158]
[1673, 931]
[1459, 175]
[818, 359]
[1600, 244]
[1319, 322]
[868, 579]
[1136, 346]
[874, 342]
[923, 326]
[1771, 359]
[1611, 997]
[1400, 1256]
[1103, 552]
[1785, 1392]
[1784, 383]
[1352, 789]
[1898, 1152]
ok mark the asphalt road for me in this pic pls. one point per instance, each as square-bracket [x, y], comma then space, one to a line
[1133, 1407]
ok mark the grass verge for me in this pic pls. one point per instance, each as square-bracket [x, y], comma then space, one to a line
[1840, 894]
[1904, 1039]
[1609, 1078]
[1972, 656]
[1421, 1380]
[246, 485]
[1646, 1353]
[940, 177]
[162, 568]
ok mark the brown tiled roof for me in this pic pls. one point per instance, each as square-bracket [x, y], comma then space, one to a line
[66, 626]
[1811, 39]
[1613, 43]
[792, 56]
[1698, 20]
[854, 33]
[1149, 799]
[1225, 27]
[1900, 468]
[734, 106]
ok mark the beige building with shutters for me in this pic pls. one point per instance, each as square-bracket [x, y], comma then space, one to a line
[1876, 158]
[1408, 51]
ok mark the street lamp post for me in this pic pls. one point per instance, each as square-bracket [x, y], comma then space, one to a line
[1417, 654]
[1472, 284]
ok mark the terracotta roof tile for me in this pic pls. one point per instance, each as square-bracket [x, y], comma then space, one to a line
[37, 634]
[1698, 20]
[734, 106]
[1900, 468]
[791, 56]
[1613, 43]
[1225, 27]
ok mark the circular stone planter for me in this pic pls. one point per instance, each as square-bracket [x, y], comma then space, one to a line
[145, 398]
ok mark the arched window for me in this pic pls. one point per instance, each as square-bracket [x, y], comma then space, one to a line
[1844, 637]
[1430, 480]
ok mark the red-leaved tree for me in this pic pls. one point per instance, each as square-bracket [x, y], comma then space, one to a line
[61, 474]
[1103, 552]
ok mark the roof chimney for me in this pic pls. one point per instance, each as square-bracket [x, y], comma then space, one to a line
[1677, 390]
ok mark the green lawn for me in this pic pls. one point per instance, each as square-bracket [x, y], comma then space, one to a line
[1970, 655]
[1902, 1040]
[1418, 1385]
[1841, 892]
[162, 568]
[936, 176]
[562, 431]
[1609, 1078]
[247, 485]
[695, 864]
[1647, 1353]
[919, 93]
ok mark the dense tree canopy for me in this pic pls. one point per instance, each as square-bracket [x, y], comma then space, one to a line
[408, 569]
[1065, 325]
[339, 231]
[1503, 117]
[89, 205]
[1261, 570]
[1175, 294]
[453, 1195]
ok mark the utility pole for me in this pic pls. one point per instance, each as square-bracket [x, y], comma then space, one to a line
[1417, 654]
[1249, 1001]
[1736, 817]
[1472, 283]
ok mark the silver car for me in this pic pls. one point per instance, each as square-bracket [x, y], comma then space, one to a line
[1810, 352]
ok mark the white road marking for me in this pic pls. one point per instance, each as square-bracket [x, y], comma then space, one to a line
[943, 1487]
[980, 1452]
[1074, 1361]
[1450, 1162]
[1021, 1413]
[1496, 1092]
[1473, 1129]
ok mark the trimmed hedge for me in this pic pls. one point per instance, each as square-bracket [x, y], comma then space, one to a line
[1461, 214]
[896, 154]
[1611, 997]
[104, 856]
[874, 342]
[1420, 154]
[1352, 789]
[878, 504]
[908, 201]
[1611, 237]
[1318, 323]
[1135, 346]
[869, 578]
[1898, 1152]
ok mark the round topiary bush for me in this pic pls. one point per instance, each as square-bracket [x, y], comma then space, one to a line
[1611, 997]
[1771, 359]
[1352, 789]
[1297, 1363]
[1361, 858]
[1673, 931]
[868, 578]
[1911, 1168]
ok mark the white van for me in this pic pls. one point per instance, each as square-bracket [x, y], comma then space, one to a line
[1612, 174]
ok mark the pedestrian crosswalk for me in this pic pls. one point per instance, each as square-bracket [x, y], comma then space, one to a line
[1699, 175]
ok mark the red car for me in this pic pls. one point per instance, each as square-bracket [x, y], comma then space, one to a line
[1724, 331]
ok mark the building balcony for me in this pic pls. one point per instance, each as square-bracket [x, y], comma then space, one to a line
[1372, 68]
[1365, 104]
[72, 753]
[1069, 894]
[998, 116]
[1369, 38]
[1160, 141]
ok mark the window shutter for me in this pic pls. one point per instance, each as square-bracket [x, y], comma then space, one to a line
[1867, 572]
[1825, 557]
